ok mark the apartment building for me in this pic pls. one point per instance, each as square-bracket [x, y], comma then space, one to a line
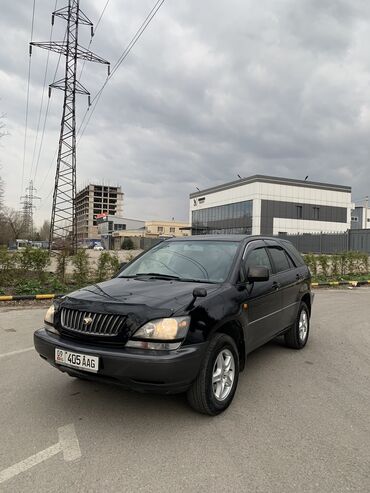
[92, 201]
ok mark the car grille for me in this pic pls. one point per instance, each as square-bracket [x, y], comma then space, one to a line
[84, 322]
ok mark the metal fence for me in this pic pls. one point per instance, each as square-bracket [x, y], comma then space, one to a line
[353, 239]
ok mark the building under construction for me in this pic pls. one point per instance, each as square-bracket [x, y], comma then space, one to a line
[91, 202]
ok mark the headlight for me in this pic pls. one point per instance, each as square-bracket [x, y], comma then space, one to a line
[164, 329]
[49, 316]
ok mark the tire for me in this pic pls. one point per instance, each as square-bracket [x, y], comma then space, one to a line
[296, 337]
[202, 394]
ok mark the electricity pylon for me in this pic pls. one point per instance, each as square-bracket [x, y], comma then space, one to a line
[27, 209]
[63, 224]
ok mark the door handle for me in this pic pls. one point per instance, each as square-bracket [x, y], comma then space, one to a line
[276, 285]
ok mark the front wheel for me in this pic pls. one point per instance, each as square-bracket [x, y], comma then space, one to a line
[297, 335]
[215, 386]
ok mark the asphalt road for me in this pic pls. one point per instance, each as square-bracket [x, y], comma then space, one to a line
[300, 421]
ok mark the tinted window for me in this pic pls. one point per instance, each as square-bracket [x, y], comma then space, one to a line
[296, 256]
[280, 259]
[258, 257]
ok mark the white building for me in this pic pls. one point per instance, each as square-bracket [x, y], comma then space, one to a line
[360, 218]
[268, 205]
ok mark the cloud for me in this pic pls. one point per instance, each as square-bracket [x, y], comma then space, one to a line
[212, 89]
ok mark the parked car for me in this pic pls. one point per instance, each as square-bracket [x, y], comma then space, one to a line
[183, 317]
[100, 248]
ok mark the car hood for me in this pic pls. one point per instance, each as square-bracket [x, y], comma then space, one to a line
[140, 300]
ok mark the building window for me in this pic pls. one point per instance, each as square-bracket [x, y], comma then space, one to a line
[172, 230]
[160, 229]
[119, 227]
[316, 213]
[224, 219]
[299, 212]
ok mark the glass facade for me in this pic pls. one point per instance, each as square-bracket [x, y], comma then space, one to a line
[224, 219]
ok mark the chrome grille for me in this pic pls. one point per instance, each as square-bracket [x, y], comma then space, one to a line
[90, 323]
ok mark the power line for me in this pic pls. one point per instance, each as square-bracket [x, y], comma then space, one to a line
[42, 101]
[27, 97]
[92, 37]
[45, 118]
[123, 56]
[120, 60]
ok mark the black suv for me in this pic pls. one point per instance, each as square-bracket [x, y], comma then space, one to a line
[182, 317]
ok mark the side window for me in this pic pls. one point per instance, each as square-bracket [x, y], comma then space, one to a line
[281, 259]
[257, 257]
[296, 256]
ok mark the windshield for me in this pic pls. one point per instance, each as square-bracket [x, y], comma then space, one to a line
[207, 261]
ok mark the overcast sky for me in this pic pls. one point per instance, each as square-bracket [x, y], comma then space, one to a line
[212, 89]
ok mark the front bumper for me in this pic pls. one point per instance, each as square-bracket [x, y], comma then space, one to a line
[142, 370]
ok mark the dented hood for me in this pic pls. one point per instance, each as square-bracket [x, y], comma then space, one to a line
[140, 300]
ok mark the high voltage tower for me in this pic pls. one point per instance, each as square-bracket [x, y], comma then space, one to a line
[63, 225]
[27, 209]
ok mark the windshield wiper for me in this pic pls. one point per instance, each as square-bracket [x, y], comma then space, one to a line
[202, 281]
[157, 275]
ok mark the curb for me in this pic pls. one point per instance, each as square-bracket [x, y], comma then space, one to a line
[20, 297]
[340, 283]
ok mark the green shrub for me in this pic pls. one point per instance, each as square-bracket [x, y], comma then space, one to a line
[35, 260]
[323, 261]
[343, 262]
[335, 266]
[127, 244]
[115, 263]
[108, 265]
[364, 263]
[8, 263]
[40, 260]
[62, 262]
[80, 263]
[56, 286]
[311, 261]
[32, 286]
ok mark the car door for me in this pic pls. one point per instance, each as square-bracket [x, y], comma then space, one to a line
[288, 277]
[262, 299]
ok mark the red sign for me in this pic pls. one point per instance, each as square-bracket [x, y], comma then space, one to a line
[103, 214]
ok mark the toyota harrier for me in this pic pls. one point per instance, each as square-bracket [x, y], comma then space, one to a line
[182, 317]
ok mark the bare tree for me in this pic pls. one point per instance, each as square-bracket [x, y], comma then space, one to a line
[44, 231]
[12, 226]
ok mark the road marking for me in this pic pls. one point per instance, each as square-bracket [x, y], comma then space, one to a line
[19, 351]
[68, 444]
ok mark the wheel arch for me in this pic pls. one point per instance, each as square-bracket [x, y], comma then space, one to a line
[234, 330]
[306, 298]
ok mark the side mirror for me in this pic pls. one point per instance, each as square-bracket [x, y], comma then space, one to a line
[258, 274]
[199, 292]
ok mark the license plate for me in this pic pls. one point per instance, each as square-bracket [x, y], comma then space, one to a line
[77, 360]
